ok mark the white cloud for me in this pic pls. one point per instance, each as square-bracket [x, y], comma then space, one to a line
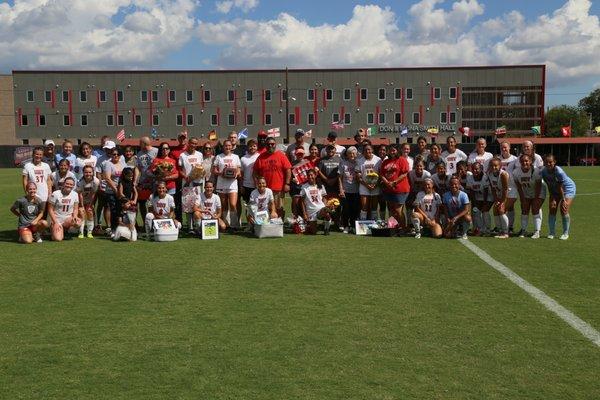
[227, 5]
[92, 34]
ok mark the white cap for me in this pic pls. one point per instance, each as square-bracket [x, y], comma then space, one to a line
[109, 144]
[49, 142]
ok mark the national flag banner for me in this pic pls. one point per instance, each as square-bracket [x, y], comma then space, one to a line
[212, 135]
[243, 134]
[154, 133]
[404, 131]
[273, 132]
[308, 133]
[597, 129]
[501, 130]
[536, 129]
[565, 131]
[121, 135]
[433, 131]
[336, 126]
[372, 131]
[465, 130]
[299, 171]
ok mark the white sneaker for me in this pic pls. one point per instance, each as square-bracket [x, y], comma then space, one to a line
[502, 236]
[564, 236]
[536, 235]
[550, 236]
[345, 230]
[464, 236]
[417, 236]
[522, 233]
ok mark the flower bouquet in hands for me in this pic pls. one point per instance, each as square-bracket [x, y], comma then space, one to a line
[197, 172]
[163, 169]
[371, 178]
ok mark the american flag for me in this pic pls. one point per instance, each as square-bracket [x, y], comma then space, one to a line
[274, 132]
[308, 133]
[337, 125]
[121, 135]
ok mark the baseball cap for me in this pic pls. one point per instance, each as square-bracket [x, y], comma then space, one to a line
[299, 132]
[109, 144]
[299, 150]
[262, 133]
[184, 134]
[331, 135]
[49, 142]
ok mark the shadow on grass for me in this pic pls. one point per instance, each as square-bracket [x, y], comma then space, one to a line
[9, 236]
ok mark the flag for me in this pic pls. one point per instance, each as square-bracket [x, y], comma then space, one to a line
[501, 130]
[212, 135]
[273, 132]
[154, 133]
[372, 131]
[597, 129]
[121, 135]
[433, 131]
[299, 171]
[565, 131]
[308, 133]
[243, 134]
[404, 131]
[536, 129]
[337, 125]
[465, 130]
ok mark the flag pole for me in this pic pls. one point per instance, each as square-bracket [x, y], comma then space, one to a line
[287, 108]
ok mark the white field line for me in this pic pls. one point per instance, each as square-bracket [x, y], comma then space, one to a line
[588, 194]
[577, 323]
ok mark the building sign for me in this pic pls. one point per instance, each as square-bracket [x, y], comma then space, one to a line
[415, 128]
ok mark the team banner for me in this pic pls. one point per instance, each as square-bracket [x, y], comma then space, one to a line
[299, 171]
[22, 155]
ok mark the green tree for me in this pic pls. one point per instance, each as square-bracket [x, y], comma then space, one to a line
[591, 105]
[565, 115]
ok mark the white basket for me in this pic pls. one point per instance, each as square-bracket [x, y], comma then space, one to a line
[164, 230]
[268, 231]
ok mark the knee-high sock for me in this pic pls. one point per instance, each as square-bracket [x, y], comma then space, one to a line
[504, 223]
[487, 220]
[524, 222]
[552, 224]
[537, 222]
[148, 223]
[82, 227]
[511, 218]
[465, 226]
[89, 225]
[363, 215]
[566, 221]
[477, 220]
[417, 224]
[497, 221]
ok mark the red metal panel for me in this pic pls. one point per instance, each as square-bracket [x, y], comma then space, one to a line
[70, 108]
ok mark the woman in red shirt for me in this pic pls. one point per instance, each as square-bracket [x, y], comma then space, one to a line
[161, 170]
[395, 184]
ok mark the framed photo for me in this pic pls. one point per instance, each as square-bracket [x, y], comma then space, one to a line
[362, 227]
[261, 217]
[210, 229]
[229, 172]
[164, 225]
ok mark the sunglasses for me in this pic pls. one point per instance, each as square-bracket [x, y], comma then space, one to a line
[208, 148]
[165, 148]
[270, 144]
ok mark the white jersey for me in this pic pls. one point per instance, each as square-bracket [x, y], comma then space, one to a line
[84, 162]
[483, 159]
[162, 207]
[187, 162]
[247, 162]
[496, 184]
[364, 167]
[312, 196]
[39, 175]
[416, 182]
[222, 162]
[429, 203]
[478, 188]
[58, 181]
[88, 189]
[538, 162]
[211, 204]
[507, 164]
[451, 159]
[527, 181]
[411, 162]
[263, 200]
[62, 204]
[442, 185]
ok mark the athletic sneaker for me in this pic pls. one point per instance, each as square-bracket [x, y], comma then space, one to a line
[417, 235]
[502, 236]
[108, 232]
[89, 235]
[37, 237]
[550, 236]
[80, 236]
[464, 236]
[536, 235]
[345, 230]
[564, 236]
[522, 233]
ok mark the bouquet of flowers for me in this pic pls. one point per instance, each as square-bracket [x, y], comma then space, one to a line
[197, 172]
[333, 203]
[371, 178]
[163, 168]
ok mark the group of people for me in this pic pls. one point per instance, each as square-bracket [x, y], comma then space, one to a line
[435, 191]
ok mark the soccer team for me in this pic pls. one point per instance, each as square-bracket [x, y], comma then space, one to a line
[441, 193]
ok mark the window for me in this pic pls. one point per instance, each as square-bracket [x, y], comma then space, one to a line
[409, 94]
[268, 119]
[207, 96]
[189, 96]
[268, 95]
[83, 96]
[120, 96]
[444, 118]
[310, 119]
[231, 119]
[347, 94]
[347, 119]
[328, 94]
[102, 95]
[66, 120]
[230, 95]
[292, 119]
[381, 94]
[397, 94]
[335, 117]
[25, 121]
[172, 96]
[416, 118]
[25, 141]
[65, 96]
[364, 94]
[284, 95]
[30, 96]
[249, 119]
[110, 120]
[155, 95]
[155, 120]
[437, 93]
[42, 120]
[381, 119]
[144, 96]
[47, 96]
[213, 119]
[370, 118]
[179, 120]
[249, 95]
[310, 94]
[452, 117]
[452, 93]
[83, 119]
[138, 120]
[120, 120]
[189, 119]
[397, 118]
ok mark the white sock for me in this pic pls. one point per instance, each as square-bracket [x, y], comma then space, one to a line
[511, 218]
[537, 221]
[382, 215]
[363, 215]
[327, 225]
[82, 227]
[417, 224]
[497, 221]
[503, 223]
[524, 222]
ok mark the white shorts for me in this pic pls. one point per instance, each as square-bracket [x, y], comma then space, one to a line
[226, 191]
[513, 193]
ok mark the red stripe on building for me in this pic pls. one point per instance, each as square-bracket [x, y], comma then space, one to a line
[324, 98]
[358, 96]
[168, 99]
[263, 106]
[402, 105]
[342, 112]
[53, 98]
[316, 107]
[70, 108]
[297, 117]
[218, 116]
[235, 107]
[202, 97]
[421, 115]
[431, 96]
[133, 117]
[97, 98]
[37, 116]
[184, 115]
[376, 115]
[458, 95]
[151, 106]
[20, 116]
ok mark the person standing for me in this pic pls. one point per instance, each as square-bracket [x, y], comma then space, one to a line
[38, 172]
[331, 141]
[452, 155]
[395, 184]
[299, 143]
[562, 191]
[275, 167]
[67, 153]
[49, 154]
[145, 180]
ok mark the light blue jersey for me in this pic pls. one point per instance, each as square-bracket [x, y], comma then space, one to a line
[455, 204]
[557, 178]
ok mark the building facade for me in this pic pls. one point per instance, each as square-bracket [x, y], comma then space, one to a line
[7, 109]
[83, 105]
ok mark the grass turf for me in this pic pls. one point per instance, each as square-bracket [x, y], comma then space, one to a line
[338, 317]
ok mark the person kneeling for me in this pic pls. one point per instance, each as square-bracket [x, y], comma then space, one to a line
[261, 200]
[457, 210]
[160, 206]
[30, 210]
[313, 207]
[426, 214]
[63, 210]
[208, 206]
[126, 222]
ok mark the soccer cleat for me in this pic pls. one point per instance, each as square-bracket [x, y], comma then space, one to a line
[345, 230]
[564, 236]
[417, 235]
[37, 238]
[80, 236]
[502, 236]
[108, 232]
[550, 236]
[522, 233]
[89, 235]
[464, 236]
[536, 235]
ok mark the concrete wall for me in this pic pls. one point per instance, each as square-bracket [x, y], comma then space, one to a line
[7, 109]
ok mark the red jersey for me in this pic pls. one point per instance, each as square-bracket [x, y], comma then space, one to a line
[391, 169]
[272, 167]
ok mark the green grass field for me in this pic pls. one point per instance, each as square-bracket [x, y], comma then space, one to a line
[338, 317]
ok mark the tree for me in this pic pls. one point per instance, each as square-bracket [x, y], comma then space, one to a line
[591, 105]
[565, 115]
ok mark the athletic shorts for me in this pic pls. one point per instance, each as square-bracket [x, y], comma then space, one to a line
[398, 198]
[227, 191]
[24, 229]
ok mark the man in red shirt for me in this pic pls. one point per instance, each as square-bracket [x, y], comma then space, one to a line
[394, 182]
[176, 151]
[275, 167]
